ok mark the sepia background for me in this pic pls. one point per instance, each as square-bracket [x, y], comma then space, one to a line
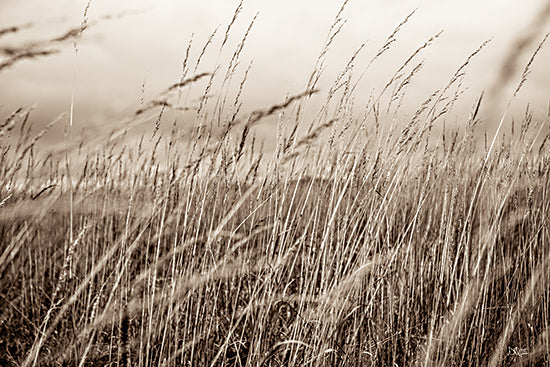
[125, 59]
[152, 214]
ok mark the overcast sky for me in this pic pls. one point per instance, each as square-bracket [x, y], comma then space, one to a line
[117, 56]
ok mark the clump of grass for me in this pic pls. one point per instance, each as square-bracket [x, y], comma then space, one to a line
[366, 242]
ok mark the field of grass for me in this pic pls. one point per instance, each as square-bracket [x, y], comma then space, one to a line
[370, 241]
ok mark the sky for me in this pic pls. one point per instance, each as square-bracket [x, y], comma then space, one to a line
[127, 59]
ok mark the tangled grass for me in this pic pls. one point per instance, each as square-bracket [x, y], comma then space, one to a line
[358, 242]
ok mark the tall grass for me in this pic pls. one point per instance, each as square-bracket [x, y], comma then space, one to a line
[357, 242]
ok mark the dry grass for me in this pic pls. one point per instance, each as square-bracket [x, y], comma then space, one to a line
[367, 242]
